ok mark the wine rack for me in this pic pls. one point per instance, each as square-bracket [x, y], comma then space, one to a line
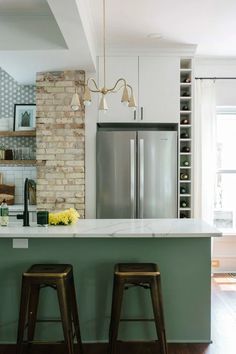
[185, 140]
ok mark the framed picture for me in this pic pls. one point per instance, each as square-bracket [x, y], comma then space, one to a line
[24, 117]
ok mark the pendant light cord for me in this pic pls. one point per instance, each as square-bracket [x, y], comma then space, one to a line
[104, 43]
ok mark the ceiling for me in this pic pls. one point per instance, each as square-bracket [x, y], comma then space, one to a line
[49, 35]
[209, 24]
[41, 35]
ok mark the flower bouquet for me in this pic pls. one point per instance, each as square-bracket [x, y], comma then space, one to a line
[67, 217]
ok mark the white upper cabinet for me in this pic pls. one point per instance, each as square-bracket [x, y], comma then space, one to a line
[155, 81]
[118, 67]
[159, 89]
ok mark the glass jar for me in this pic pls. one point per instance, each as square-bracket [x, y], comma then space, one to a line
[2, 154]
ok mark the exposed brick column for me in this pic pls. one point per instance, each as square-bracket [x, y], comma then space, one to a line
[60, 142]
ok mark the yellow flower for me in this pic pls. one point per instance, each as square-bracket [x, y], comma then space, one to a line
[67, 217]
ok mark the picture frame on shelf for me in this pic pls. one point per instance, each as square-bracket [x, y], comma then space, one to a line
[24, 117]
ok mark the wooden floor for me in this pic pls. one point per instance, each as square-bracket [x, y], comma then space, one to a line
[223, 329]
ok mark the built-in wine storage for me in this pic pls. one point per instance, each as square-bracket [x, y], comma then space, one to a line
[185, 140]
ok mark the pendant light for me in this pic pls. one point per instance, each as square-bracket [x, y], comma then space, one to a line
[127, 98]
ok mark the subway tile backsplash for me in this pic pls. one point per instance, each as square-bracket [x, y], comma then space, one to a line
[17, 176]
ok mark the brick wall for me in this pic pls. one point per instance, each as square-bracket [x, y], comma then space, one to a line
[60, 142]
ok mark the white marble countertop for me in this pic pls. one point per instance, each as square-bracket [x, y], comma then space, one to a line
[121, 228]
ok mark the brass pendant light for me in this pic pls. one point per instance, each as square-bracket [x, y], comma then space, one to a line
[127, 98]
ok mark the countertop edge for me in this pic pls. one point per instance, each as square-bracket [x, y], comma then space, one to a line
[116, 228]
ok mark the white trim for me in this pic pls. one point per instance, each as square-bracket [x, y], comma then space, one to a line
[225, 110]
[221, 170]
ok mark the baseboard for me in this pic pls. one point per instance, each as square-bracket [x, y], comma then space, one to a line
[98, 348]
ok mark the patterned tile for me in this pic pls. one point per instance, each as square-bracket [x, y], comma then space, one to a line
[10, 93]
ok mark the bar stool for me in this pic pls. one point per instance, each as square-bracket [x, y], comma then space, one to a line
[60, 278]
[145, 275]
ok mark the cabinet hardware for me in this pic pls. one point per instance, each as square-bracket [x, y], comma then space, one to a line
[141, 113]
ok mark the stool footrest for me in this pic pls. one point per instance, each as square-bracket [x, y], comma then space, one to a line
[49, 320]
[137, 319]
[141, 285]
[137, 341]
[42, 342]
[42, 321]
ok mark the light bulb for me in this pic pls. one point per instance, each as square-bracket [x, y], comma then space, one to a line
[132, 102]
[75, 108]
[75, 102]
[87, 103]
[87, 96]
[103, 104]
[125, 96]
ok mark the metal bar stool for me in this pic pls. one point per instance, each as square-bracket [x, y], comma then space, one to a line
[145, 275]
[60, 278]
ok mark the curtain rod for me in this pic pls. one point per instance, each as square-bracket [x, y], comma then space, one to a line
[215, 78]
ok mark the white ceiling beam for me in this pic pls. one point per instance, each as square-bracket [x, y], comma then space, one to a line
[71, 17]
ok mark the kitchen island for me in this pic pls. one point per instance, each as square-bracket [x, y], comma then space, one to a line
[181, 247]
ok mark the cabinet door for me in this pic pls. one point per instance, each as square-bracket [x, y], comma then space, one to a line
[118, 67]
[159, 89]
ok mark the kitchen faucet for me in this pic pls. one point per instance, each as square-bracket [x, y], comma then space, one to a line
[25, 215]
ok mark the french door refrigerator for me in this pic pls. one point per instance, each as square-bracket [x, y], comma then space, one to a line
[136, 174]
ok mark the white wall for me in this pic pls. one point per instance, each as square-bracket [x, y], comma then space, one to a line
[225, 89]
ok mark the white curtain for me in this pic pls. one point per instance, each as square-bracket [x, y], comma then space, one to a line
[204, 155]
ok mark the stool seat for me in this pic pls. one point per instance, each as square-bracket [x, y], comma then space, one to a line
[136, 269]
[60, 278]
[144, 275]
[48, 270]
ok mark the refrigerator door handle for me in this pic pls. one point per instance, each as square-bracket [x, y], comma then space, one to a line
[141, 177]
[132, 178]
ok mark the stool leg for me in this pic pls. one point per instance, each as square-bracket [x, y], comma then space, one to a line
[65, 310]
[75, 315]
[158, 314]
[32, 311]
[25, 292]
[117, 296]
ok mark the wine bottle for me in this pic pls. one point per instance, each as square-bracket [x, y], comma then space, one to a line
[4, 219]
[185, 121]
[184, 176]
[187, 80]
[183, 204]
[184, 135]
[185, 94]
[185, 149]
[183, 216]
[185, 107]
[185, 163]
[183, 190]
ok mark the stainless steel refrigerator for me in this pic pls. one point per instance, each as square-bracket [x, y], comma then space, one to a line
[136, 174]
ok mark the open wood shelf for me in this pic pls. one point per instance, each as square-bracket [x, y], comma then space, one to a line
[18, 133]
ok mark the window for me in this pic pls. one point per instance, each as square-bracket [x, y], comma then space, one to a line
[225, 186]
